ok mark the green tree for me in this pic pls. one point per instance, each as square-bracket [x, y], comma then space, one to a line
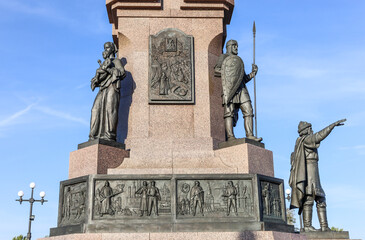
[20, 237]
[336, 229]
[290, 216]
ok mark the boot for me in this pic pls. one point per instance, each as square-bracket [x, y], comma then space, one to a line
[307, 218]
[322, 217]
[228, 123]
[249, 129]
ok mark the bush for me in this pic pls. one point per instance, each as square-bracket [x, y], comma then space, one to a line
[20, 237]
[336, 229]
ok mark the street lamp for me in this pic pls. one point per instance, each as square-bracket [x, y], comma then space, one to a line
[31, 200]
[288, 191]
[288, 197]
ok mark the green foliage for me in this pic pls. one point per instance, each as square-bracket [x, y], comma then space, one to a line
[20, 237]
[290, 216]
[336, 229]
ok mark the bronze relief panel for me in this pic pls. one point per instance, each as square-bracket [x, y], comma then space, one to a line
[171, 68]
[214, 198]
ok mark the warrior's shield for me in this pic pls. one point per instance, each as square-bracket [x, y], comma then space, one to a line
[232, 75]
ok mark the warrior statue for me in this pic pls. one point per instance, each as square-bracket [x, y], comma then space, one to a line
[304, 175]
[104, 114]
[235, 96]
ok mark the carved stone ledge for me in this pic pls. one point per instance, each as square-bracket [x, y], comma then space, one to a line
[113, 5]
[226, 5]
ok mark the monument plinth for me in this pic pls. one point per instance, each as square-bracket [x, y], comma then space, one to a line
[176, 178]
[95, 157]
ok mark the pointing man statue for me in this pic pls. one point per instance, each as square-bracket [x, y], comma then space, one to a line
[304, 175]
[235, 96]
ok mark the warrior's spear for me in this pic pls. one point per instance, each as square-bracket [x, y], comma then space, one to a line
[254, 79]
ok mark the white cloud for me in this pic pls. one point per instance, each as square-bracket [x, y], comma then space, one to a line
[10, 119]
[96, 20]
[59, 114]
[82, 86]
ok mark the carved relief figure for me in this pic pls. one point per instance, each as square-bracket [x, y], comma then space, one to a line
[184, 206]
[276, 207]
[235, 95]
[154, 196]
[245, 197]
[80, 205]
[164, 81]
[156, 72]
[142, 191]
[231, 194]
[304, 175]
[184, 202]
[67, 203]
[104, 113]
[197, 198]
[106, 194]
[266, 195]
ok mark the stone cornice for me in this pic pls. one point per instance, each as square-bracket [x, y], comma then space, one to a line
[156, 8]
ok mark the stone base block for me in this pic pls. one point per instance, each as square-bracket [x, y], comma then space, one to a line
[244, 235]
[101, 141]
[181, 203]
[326, 235]
[239, 141]
[95, 159]
[236, 159]
[247, 158]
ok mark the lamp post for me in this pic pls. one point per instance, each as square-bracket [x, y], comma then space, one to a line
[31, 200]
[287, 192]
[288, 197]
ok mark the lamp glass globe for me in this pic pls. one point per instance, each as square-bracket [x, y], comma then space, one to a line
[20, 193]
[32, 185]
[42, 194]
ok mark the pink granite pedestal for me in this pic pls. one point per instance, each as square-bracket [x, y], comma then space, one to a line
[246, 235]
[95, 159]
[164, 159]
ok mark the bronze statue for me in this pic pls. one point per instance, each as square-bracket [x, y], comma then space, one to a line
[104, 114]
[304, 175]
[235, 96]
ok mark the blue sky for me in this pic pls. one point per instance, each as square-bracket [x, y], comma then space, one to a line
[310, 57]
